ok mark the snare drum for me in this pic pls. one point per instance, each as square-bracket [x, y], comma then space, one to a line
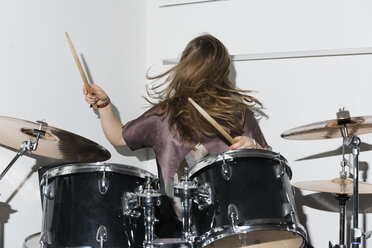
[84, 205]
[248, 201]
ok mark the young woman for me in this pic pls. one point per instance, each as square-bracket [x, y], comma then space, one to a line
[173, 127]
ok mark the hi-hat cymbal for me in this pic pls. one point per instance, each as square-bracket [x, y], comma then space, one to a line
[56, 144]
[335, 186]
[330, 129]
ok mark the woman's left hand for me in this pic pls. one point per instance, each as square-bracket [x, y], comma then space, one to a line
[245, 142]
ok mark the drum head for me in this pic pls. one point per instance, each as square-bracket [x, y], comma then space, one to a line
[261, 239]
[232, 154]
[32, 241]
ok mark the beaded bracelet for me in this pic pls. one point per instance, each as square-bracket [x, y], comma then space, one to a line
[107, 102]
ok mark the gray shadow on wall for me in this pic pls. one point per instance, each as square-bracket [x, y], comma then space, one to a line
[5, 212]
[327, 202]
[141, 154]
[364, 147]
[301, 215]
[5, 207]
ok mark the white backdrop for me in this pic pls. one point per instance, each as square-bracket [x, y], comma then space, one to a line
[39, 80]
[294, 91]
[121, 39]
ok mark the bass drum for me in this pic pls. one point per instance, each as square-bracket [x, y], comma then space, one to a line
[84, 206]
[248, 201]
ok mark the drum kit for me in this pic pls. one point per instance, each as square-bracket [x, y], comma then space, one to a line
[89, 203]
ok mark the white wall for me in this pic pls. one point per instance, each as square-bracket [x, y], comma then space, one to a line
[121, 39]
[39, 80]
[294, 91]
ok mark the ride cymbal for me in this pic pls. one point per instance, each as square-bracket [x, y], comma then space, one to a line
[335, 186]
[55, 144]
[330, 129]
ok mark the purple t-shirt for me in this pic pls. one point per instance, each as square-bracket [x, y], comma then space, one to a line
[151, 131]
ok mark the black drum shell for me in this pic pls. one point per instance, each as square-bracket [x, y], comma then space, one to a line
[256, 185]
[78, 208]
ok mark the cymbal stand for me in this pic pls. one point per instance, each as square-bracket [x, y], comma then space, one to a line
[26, 146]
[343, 118]
[354, 142]
[342, 198]
[356, 233]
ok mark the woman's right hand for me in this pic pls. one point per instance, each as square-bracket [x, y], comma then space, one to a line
[111, 125]
[98, 96]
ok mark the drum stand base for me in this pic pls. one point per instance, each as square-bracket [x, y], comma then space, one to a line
[342, 199]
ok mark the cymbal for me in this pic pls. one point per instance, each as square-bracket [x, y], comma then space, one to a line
[335, 186]
[56, 144]
[330, 129]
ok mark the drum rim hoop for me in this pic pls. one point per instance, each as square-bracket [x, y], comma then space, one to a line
[227, 231]
[230, 154]
[176, 242]
[28, 238]
[74, 168]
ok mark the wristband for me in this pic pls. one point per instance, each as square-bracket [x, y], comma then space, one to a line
[107, 102]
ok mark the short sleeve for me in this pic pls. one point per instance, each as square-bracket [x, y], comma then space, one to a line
[252, 129]
[143, 131]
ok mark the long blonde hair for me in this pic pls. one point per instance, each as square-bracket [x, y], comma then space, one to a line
[203, 75]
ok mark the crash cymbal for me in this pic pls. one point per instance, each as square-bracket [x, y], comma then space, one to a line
[335, 186]
[56, 144]
[330, 129]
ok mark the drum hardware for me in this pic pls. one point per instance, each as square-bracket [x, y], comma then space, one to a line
[288, 210]
[27, 146]
[48, 190]
[186, 191]
[101, 235]
[32, 241]
[172, 243]
[343, 119]
[49, 193]
[204, 197]
[148, 200]
[103, 183]
[279, 169]
[45, 236]
[341, 198]
[233, 214]
[226, 171]
[130, 205]
[45, 240]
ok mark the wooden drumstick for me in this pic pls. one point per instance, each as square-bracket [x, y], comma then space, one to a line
[82, 73]
[212, 121]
